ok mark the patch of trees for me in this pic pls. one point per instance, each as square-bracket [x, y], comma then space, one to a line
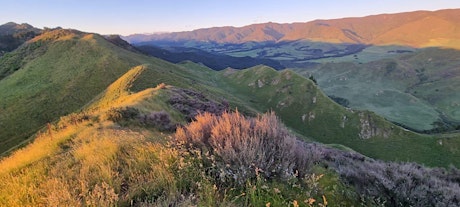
[160, 120]
[313, 79]
[442, 125]
[390, 67]
[191, 103]
[400, 51]
[342, 101]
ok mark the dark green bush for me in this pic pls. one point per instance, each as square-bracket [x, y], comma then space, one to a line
[160, 120]
[122, 114]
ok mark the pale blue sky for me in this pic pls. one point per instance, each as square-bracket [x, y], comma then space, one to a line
[143, 16]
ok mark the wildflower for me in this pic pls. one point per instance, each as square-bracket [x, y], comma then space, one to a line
[258, 170]
[310, 201]
[324, 200]
[295, 204]
[276, 190]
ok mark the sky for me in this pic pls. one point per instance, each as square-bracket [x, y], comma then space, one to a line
[150, 16]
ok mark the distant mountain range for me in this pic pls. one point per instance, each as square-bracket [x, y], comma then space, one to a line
[440, 28]
[379, 63]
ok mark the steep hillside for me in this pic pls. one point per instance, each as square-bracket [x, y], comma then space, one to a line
[415, 29]
[52, 75]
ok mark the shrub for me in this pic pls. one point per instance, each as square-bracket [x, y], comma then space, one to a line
[313, 79]
[72, 119]
[191, 103]
[395, 184]
[159, 119]
[236, 149]
[341, 101]
[122, 114]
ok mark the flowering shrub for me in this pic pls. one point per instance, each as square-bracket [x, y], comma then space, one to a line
[159, 119]
[394, 184]
[191, 103]
[235, 148]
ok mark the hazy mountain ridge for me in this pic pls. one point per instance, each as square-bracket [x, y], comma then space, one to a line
[11, 28]
[12, 35]
[385, 29]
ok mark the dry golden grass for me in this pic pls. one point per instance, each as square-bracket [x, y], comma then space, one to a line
[118, 90]
[118, 95]
[45, 145]
[101, 165]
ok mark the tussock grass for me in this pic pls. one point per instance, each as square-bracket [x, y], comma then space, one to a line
[98, 166]
[44, 146]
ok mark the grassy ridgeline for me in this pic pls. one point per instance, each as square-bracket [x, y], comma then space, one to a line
[60, 72]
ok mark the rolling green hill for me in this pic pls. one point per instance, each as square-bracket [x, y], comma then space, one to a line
[417, 89]
[308, 111]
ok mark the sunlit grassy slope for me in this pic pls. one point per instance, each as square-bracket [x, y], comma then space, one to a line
[58, 73]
